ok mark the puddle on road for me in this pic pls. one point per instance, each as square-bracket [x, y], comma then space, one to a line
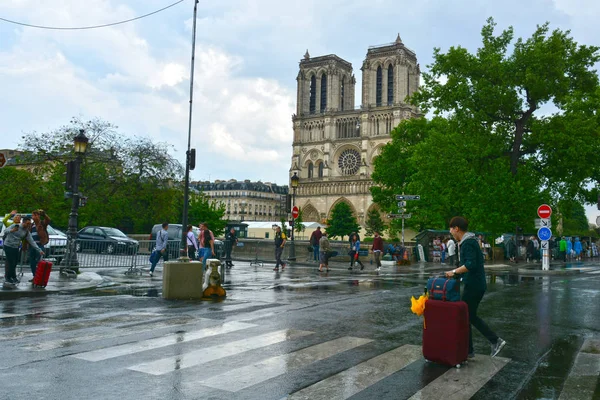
[136, 291]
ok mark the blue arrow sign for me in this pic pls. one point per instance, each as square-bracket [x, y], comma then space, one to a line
[544, 233]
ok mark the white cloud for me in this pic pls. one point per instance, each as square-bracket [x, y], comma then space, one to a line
[137, 75]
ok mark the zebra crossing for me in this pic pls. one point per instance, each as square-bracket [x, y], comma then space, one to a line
[230, 357]
[144, 343]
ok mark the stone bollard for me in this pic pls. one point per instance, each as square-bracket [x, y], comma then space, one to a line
[182, 280]
[212, 280]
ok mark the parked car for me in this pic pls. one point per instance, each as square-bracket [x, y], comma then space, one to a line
[55, 248]
[175, 231]
[104, 239]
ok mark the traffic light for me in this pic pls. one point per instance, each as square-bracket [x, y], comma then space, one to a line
[598, 200]
[288, 203]
[192, 159]
[69, 175]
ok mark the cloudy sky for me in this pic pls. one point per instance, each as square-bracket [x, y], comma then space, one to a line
[137, 75]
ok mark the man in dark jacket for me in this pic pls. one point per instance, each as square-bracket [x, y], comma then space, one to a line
[315, 237]
[230, 241]
[471, 260]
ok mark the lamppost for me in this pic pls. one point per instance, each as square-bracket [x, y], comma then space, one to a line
[73, 176]
[294, 183]
[190, 160]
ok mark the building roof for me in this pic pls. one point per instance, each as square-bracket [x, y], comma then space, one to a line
[233, 184]
[269, 225]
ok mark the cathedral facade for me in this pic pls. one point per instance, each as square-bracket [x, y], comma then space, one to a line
[335, 142]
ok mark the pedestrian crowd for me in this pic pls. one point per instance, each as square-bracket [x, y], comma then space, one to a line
[25, 234]
[199, 248]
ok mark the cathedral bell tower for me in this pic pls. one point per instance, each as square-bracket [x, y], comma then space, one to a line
[334, 141]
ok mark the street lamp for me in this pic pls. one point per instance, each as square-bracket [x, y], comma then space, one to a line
[80, 143]
[295, 180]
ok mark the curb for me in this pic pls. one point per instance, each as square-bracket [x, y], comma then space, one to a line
[555, 272]
[26, 290]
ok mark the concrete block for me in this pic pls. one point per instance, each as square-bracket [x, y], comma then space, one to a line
[182, 280]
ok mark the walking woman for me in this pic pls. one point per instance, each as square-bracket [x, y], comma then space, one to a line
[192, 243]
[354, 249]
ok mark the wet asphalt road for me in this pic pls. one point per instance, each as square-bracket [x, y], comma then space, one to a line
[297, 334]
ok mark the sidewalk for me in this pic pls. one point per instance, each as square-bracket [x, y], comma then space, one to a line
[56, 284]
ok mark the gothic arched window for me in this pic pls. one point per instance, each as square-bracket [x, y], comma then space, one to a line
[323, 92]
[313, 95]
[321, 168]
[390, 88]
[342, 93]
[310, 170]
[379, 86]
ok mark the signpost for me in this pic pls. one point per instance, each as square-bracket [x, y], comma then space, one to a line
[544, 211]
[407, 197]
[401, 199]
[544, 233]
[2, 160]
[295, 212]
[403, 216]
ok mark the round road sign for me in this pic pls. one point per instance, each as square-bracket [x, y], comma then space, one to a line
[2, 160]
[544, 233]
[544, 211]
[295, 212]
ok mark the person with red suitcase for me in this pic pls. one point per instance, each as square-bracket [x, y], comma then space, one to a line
[471, 265]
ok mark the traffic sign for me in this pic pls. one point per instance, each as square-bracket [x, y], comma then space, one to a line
[544, 211]
[598, 221]
[401, 204]
[403, 216]
[539, 222]
[408, 197]
[544, 244]
[295, 212]
[2, 160]
[544, 233]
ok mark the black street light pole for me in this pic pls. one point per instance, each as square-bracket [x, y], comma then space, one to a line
[80, 145]
[189, 162]
[294, 183]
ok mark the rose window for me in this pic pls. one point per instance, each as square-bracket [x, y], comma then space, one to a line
[349, 162]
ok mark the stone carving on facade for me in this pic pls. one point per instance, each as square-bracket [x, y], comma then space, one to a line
[314, 154]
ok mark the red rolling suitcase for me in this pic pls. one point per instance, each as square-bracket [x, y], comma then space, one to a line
[42, 273]
[446, 332]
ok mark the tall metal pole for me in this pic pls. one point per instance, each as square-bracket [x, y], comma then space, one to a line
[292, 254]
[71, 256]
[186, 189]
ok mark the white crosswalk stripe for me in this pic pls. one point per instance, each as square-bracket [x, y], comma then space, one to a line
[354, 380]
[463, 383]
[583, 377]
[202, 356]
[151, 344]
[251, 375]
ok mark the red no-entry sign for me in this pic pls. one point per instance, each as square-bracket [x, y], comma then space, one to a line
[295, 212]
[2, 160]
[544, 211]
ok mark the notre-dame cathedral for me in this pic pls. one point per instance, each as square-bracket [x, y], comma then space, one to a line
[335, 142]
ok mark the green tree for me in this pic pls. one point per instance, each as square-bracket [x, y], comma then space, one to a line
[131, 183]
[203, 209]
[496, 155]
[505, 94]
[374, 222]
[342, 221]
[298, 223]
